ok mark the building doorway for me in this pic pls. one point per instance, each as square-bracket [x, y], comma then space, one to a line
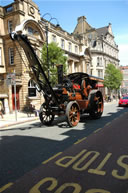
[17, 98]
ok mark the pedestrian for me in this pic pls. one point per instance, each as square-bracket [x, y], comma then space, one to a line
[29, 110]
[1, 109]
[35, 111]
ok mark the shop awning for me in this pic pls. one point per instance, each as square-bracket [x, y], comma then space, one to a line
[99, 85]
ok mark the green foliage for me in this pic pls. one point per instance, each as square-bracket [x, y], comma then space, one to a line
[55, 57]
[113, 77]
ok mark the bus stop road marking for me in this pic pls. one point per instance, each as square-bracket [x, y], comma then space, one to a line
[51, 158]
[80, 140]
[97, 130]
[6, 187]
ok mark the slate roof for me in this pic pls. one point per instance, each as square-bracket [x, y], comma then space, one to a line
[102, 31]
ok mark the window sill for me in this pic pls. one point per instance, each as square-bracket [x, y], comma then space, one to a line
[35, 97]
[9, 65]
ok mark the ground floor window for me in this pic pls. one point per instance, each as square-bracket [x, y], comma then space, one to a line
[32, 89]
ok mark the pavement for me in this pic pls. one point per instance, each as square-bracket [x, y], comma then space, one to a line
[10, 119]
[95, 163]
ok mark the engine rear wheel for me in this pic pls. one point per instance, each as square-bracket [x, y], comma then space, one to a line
[45, 115]
[97, 109]
[73, 114]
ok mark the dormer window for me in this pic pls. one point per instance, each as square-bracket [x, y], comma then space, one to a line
[9, 9]
[90, 36]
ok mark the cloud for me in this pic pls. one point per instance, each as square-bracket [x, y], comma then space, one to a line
[123, 54]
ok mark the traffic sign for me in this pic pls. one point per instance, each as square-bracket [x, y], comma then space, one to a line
[11, 79]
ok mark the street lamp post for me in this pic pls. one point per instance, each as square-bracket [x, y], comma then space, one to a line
[46, 28]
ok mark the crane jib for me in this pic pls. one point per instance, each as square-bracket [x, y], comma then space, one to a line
[34, 64]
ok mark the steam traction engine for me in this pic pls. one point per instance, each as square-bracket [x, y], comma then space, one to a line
[74, 94]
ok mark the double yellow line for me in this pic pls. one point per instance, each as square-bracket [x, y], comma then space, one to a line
[6, 187]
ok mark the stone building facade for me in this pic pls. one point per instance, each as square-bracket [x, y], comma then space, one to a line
[124, 86]
[83, 47]
[102, 46]
[13, 58]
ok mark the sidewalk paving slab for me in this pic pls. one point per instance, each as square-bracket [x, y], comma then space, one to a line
[10, 119]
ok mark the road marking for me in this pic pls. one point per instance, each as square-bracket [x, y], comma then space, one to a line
[77, 166]
[6, 186]
[51, 158]
[120, 162]
[108, 123]
[99, 170]
[80, 140]
[53, 183]
[97, 130]
[69, 159]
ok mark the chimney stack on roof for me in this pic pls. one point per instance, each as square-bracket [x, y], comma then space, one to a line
[81, 19]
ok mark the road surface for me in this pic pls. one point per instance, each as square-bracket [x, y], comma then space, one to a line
[91, 158]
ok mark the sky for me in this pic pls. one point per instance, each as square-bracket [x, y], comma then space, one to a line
[98, 13]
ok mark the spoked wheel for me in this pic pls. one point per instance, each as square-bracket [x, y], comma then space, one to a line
[73, 114]
[46, 116]
[97, 109]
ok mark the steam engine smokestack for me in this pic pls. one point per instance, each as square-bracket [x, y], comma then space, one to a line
[60, 73]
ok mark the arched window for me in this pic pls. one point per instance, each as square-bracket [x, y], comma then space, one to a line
[32, 89]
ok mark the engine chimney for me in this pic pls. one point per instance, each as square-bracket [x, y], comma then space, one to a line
[60, 73]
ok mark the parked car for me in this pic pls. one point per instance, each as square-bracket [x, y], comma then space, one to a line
[123, 101]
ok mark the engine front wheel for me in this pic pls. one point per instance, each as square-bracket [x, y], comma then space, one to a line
[46, 116]
[73, 114]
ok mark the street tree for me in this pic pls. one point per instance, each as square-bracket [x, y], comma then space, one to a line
[113, 78]
[55, 57]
